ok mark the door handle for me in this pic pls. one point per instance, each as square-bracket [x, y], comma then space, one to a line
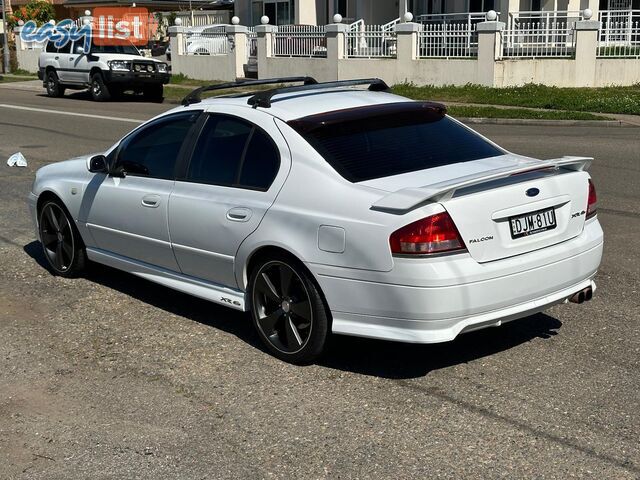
[239, 214]
[70, 58]
[151, 201]
[56, 58]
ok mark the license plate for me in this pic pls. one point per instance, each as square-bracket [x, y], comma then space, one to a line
[532, 223]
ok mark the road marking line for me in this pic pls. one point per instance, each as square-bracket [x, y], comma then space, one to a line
[73, 114]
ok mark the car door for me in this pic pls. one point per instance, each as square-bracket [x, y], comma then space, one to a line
[62, 57]
[234, 174]
[127, 215]
[78, 65]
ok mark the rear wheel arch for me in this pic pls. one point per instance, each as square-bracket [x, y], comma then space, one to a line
[270, 251]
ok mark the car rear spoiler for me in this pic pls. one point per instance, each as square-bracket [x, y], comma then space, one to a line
[408, 199]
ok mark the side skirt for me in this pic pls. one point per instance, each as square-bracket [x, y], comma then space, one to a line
[226, 296]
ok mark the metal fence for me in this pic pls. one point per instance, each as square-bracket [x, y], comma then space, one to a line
[619, 39]
[448, 40]
[371, 41]
[197, 18]
[300, 41]
[209, 41]
[539, 39]
[548, 17]
[470, 18]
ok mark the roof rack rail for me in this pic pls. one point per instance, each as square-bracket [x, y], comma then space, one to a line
[194, 96]
[263, 99]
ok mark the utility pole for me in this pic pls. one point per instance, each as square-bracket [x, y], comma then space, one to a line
[5, 38]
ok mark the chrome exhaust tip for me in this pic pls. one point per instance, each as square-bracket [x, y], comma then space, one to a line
[583, 295]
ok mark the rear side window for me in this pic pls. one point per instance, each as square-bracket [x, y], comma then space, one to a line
[233, 152]
[51, 48]
[392, 139]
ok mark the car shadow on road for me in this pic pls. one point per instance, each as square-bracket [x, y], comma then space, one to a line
[352, 354]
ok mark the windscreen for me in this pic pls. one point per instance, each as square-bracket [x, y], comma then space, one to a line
[125, 49]
[366, 143]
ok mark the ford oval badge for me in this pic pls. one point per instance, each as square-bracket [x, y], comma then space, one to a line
[532, 192]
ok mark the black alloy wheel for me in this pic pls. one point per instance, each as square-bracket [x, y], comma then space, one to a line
[61, 244]
[288, 311]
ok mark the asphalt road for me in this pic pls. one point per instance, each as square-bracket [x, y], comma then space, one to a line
[110, 376]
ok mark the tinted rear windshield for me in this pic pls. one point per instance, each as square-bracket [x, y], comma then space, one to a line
[383, 140]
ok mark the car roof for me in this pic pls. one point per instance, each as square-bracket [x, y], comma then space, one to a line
[293, 105]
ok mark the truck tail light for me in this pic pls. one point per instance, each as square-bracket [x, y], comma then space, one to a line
[592, 203]
[434, 234]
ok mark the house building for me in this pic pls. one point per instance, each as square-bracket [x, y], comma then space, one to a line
[378, 12]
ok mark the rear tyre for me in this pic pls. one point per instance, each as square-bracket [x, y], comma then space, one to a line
[54, 89]
[61, 242]
[99, 90]
[153, 92]
[288, 311]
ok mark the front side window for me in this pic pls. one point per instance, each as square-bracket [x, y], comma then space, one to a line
[233, 152]
[66, 48]
[153, 150]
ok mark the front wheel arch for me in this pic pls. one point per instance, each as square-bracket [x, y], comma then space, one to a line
[48, 195]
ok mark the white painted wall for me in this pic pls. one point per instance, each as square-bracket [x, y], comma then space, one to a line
[583, 70]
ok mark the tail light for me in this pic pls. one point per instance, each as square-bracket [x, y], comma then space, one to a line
[592, 203]
[434, 234]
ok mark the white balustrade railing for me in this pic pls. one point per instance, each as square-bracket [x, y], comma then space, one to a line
[370, 41]
[448, 40]
[300, 41]
[547, 17]
[619, 39]
[469, 18]
[538, 39]
[208, 41]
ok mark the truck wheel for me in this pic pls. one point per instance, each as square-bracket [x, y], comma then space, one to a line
[153, 92]
[99, 90]
[54, 89]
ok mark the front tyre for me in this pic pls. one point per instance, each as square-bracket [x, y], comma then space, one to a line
[61, 242]
[54, 89]
[287, 310]
[99, 90]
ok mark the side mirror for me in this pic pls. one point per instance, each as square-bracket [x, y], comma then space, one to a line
[79, 50]
[98, 164]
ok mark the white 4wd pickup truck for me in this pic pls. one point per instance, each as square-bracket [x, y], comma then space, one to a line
[107, 70]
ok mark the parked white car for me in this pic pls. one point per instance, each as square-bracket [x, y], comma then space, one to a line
[324, 208]
[106, 70]
[207, 40]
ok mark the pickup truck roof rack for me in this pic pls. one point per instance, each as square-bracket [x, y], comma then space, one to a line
[263, 98]
[194, 96]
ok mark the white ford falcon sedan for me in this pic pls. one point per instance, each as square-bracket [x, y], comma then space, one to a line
[328, 208]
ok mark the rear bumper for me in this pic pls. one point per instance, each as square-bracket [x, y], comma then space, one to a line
[455, 293]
